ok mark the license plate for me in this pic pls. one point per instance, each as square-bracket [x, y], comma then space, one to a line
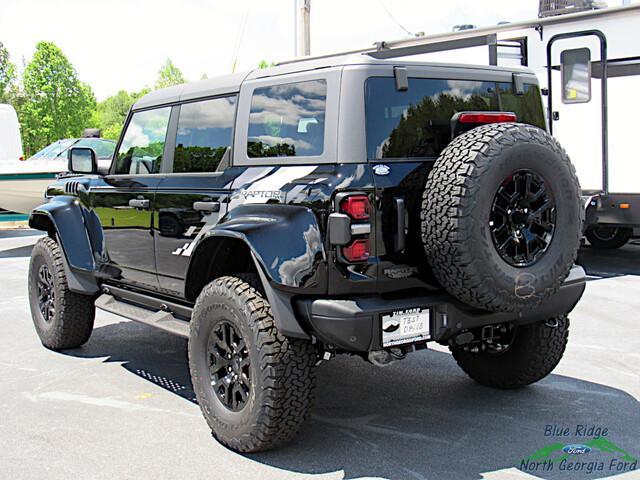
[405, 326]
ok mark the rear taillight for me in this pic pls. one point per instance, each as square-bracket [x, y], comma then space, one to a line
[350, 227]
[356, 206]
[357, 251]
[497, 117]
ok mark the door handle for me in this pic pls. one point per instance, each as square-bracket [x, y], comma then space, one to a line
[139, 203]
[206, 206]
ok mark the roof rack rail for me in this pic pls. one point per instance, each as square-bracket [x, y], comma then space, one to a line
[460, 39]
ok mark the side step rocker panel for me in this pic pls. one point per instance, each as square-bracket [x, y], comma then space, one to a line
[164, 320]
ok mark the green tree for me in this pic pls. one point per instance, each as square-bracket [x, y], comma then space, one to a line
[265, 64]
[111, 113]
[169, 75]
[7, 73]
[58, 104]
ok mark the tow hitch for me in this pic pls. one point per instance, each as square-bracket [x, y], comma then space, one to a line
[383, 358]
[494, 338]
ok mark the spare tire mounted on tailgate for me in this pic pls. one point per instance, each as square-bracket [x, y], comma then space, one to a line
[502, 217]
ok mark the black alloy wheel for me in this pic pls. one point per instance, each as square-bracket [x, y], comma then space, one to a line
[46, 293]
[523, 218]
[229, 366]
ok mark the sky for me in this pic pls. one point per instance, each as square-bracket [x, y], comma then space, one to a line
[121, 44]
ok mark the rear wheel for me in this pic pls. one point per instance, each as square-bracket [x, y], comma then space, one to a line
[501, 217]
[608, 237]
[63, 319]
[529, 354]
[254, 385]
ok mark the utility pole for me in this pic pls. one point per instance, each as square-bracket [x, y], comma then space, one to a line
[302, 28]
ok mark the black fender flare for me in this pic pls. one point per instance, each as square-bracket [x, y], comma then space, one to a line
[286, 245]
[65, 217]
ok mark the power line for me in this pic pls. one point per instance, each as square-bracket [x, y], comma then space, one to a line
[394, 18]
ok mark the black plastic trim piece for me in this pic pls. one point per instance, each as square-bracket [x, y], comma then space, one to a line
[282, 307]
[353, 323]
[148, 301]
[400, 233]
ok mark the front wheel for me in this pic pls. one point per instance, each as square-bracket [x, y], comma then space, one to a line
[608, 238]
[63, 319]
[530, 354]
[253, 384]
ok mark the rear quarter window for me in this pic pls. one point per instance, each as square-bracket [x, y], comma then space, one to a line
[287, 120]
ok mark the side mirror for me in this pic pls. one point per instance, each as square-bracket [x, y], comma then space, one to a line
[82, 160]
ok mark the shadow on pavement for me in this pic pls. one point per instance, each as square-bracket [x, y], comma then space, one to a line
[611, 263]
[419, 418]
[17, 252]
[18, 232]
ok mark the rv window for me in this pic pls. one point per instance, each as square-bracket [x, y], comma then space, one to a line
[576, 75]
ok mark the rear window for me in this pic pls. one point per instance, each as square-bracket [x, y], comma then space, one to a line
[417, 122]
[288, 120]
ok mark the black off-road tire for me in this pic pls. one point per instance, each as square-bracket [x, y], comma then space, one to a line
[282, 369]
[72, 322]
[608, 238]
[457, 202]
[535, 351]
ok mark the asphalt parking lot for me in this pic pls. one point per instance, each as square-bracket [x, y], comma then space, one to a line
[122, 406]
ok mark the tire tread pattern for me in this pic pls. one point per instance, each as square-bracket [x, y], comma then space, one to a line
[537, 350]
[287, 373]
[75, 312]
[446, 224]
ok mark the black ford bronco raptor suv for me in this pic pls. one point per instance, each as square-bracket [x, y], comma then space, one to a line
[337, 205]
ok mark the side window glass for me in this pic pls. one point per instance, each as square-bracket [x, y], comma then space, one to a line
[287, 120]
[204, 133]
[576, 75]
[143, 144]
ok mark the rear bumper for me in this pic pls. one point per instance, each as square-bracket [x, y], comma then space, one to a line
[354, 324]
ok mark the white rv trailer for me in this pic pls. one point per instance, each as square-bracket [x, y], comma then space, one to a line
[591, 104]
[597, 131]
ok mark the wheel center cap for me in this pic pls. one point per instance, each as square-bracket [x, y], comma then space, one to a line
[522, 218]
[519, 217]
[235, 364]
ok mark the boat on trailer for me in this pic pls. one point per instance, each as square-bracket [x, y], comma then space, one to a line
[23, 183]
